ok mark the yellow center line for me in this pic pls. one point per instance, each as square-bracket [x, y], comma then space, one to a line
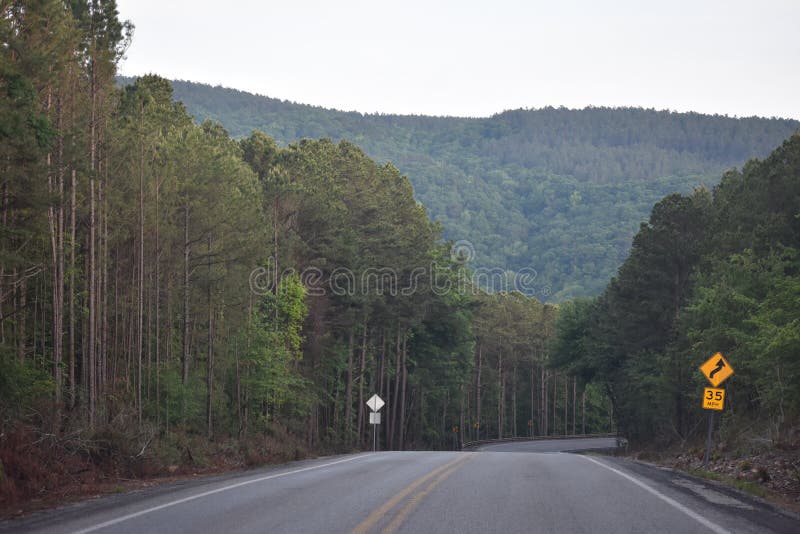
[404, 512]
[378, 514]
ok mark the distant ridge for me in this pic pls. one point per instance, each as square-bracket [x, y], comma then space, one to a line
[556, 190]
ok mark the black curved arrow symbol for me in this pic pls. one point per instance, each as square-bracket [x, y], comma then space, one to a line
[717, 369]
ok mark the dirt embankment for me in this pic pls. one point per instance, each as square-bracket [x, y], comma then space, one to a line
[40, 470]
[771, 472]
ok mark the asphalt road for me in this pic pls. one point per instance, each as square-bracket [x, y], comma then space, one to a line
[551, 445]
[491, 490]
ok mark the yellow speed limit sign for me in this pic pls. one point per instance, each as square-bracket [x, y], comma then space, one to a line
[713, 398]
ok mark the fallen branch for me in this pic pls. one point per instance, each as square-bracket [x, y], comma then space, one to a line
[147, 443]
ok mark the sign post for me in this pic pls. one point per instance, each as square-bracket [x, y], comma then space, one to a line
[716, 370]
[375, 403]
[708, 439]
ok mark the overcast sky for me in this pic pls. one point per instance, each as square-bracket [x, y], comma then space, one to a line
[734, 57]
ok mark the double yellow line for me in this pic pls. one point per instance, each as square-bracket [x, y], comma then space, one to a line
[433, 479]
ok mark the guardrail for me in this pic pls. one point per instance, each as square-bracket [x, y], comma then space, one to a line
[621, 441]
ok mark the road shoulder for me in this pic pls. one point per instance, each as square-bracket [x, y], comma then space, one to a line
[154, 488]
[730, 504]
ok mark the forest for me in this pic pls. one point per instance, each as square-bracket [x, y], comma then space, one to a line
[180, 295]
[558, 191]
[712, 271]
[174, 299]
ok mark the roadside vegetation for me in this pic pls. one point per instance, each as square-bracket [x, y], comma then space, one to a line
[713, 271]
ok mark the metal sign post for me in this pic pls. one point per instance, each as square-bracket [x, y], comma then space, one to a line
[708, 438]
[374, 420]
[716, 370]
[375, 403]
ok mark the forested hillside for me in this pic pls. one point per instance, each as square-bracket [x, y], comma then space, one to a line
[713, 271]
[173, 299]
[558, 191]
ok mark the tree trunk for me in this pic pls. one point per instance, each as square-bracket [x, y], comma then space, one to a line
[61, 260]
[56, 223]
[92, 170]
[140, 311]
[348, 397]
[275, 245]
[543, 403]
[104, 308]
[35, 326]
[574, 392]
[3, 294]
[389, 406]
[246, 398]
[478, 392]
[500, 395]
[73, 199]
[99, 359]
[555, 404]
[404, 367]
[186, 250]
[23, 288]
[382, 363]
[533, 403]
[396, 396]
[514, 403]
[158, 307]
[85, 341]
[92, 311]
[238, 386]
[116, 322]
[210, 354]
[149, 335]
[583, 411]
[566, 405]
[461, 416]
[361, 378]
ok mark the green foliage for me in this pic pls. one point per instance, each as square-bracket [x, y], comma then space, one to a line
[181, 403]
[23, 385]
[706, 274]
[557, 190]
[598, 414]
[272, 347]
[572, 348]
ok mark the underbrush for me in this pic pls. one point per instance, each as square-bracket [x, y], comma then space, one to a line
[38, 468]
[746, 455]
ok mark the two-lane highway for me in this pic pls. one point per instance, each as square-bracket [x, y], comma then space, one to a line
[496, 489]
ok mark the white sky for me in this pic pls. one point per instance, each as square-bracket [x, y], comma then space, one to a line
[734, 57]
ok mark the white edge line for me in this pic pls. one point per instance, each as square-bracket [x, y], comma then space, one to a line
[672, 502]
[210, 492]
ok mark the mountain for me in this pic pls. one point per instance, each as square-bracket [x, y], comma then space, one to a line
[555, 191]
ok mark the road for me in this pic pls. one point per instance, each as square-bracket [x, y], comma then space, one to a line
[551, 445]
[504, 488]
